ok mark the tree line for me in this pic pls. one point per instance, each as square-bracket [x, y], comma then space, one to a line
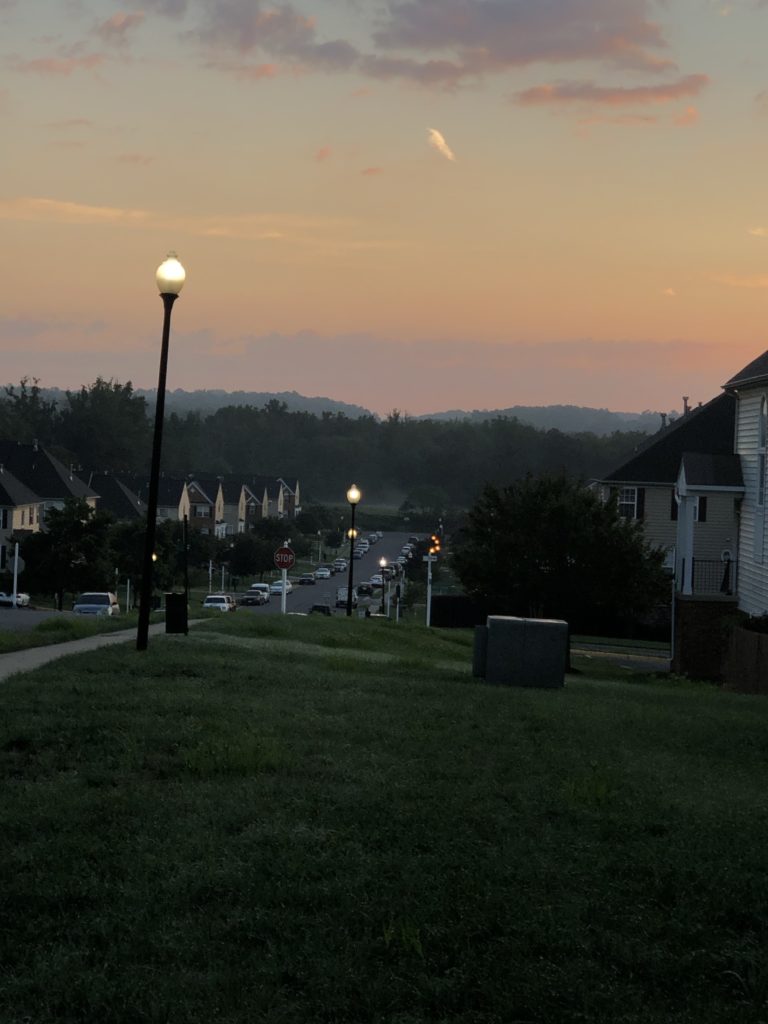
[106, 426]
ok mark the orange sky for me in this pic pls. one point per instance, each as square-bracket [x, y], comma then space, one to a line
[593, 230]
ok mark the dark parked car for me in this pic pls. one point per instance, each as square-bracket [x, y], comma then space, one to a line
[321, 609]
[253, 597]
[307, 578]
[364, 589]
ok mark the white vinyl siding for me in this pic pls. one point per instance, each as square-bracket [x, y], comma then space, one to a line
[753, 573]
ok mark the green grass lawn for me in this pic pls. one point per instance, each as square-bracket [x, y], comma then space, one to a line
[292, 820]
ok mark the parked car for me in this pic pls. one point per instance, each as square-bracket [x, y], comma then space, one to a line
[307, 579]
[321, 609]
[96, 603]
[341, 597]
[220, 603]
[7, 601]
[260, 588]
[323, 573]
[340, 564]
[364, 589]
[377, 580]
[277, 587]
[254, 597]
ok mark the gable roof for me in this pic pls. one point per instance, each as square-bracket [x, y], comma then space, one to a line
[13, 492]
[708, 429]
[116, 498]
[703, 471]
[42, 472]
[753, 373]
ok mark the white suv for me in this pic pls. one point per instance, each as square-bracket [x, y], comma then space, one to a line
[220, 603]
[93, 603]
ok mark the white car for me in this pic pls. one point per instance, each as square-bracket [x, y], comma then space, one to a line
[277, 587]
[6, 600]
[220, 603]
[322, 573]
[96, 603]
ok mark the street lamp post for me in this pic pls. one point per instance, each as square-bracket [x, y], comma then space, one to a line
[170, 281]
[382, 566]
[353, 497]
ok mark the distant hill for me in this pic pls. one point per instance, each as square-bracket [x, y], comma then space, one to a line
[570, 419]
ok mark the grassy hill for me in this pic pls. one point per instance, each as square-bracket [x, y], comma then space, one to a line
[291, 820]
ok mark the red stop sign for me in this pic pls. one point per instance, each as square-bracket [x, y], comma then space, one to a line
[285, 558]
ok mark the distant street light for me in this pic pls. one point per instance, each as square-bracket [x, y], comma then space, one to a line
[170, 280]
[353, 497]
[382, 566]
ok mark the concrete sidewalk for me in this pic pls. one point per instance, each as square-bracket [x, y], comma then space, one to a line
[34, 657]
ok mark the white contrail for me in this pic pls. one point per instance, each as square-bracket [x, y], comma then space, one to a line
[437, 141]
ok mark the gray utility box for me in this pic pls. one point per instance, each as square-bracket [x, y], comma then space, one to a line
[521, 652]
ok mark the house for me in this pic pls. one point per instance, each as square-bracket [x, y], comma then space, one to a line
[749, 389]
[115, 497]
[46, 477]
[17, 504]
[685, 486]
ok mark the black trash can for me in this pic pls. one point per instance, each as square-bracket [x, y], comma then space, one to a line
[176, 613]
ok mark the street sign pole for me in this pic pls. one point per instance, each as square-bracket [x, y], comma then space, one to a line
[429, 559]
[429, 590]
[15, 574]
[285, 559]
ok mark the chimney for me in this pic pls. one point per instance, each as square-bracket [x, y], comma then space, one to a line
[686, 407]
[663, 420]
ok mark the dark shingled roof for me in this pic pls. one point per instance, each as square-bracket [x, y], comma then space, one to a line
[752, 373]
[708, 429]
[116, 498]
[13, 492]
[42, 472]
[705, 470]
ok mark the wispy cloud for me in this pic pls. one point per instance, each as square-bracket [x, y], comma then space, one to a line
[670, 293]
[758, 232]
[588, 94]
[64, 66]
[437, 141]
[372, 172]
[742, 281]
[116, 28]
[323, 154]
[688, 117]
[135, 158]
[64, 212]
[309, 233]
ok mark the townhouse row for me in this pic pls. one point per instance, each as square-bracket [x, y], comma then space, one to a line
[33, 481]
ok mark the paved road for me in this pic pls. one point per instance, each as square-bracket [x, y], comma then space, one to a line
[302, 598]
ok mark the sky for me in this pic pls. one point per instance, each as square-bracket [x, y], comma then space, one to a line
[418, 205]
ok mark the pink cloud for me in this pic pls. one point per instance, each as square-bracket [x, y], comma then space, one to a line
[60, 65]
[372, 172]
[689, 116]
[115, 29]
[323, 154]
[256, 72]
[587, 93]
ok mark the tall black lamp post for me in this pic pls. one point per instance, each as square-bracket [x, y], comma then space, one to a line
[170, 281]
[353, 497]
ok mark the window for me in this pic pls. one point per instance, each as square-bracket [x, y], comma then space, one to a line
[632, 502]
[202, 511]
[3, 556]
[4, 519]
[23, 517]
